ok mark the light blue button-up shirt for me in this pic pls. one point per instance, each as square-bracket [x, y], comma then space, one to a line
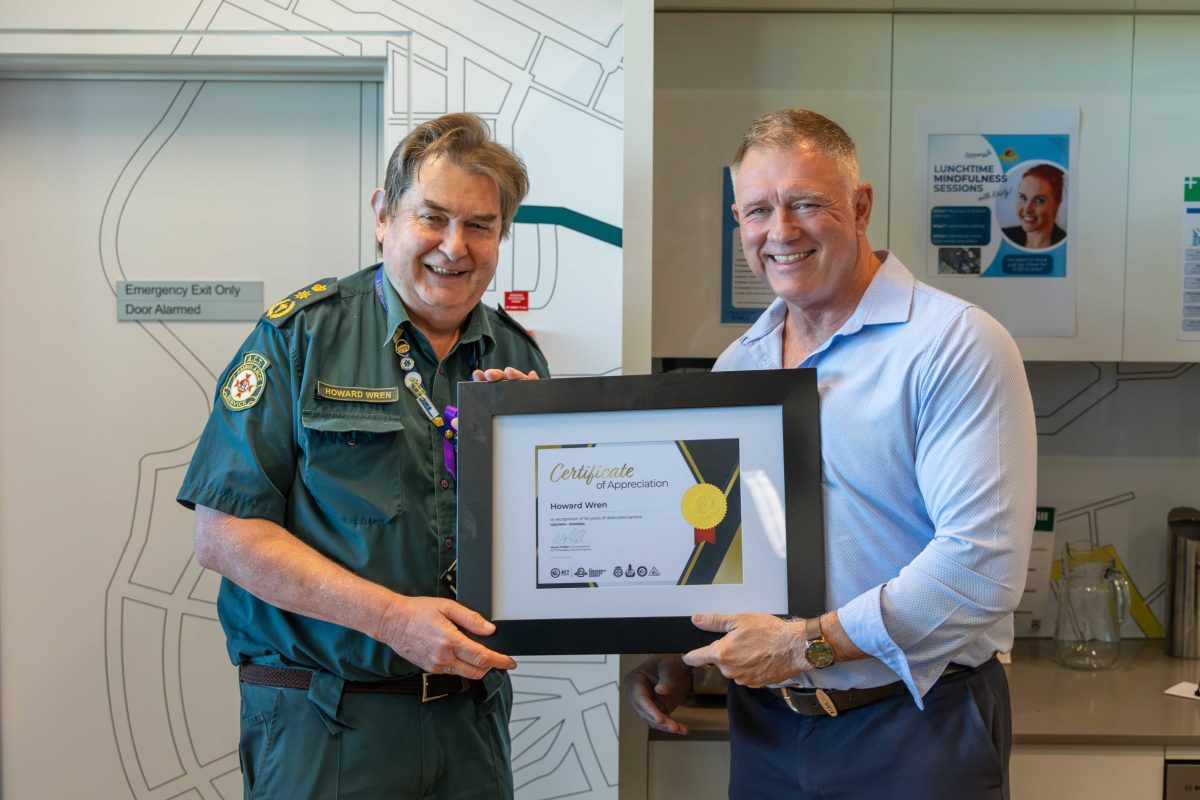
[929, 463]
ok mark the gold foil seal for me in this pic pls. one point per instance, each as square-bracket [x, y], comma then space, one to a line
[703, 506]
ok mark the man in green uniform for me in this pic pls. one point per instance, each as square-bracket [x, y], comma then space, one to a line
[324, 493]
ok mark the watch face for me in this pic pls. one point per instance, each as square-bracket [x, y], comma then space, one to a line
[819, 653]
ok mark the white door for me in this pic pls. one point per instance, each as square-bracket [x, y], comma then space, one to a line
[113, 671]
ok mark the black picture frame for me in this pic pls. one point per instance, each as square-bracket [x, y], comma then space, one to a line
[794, 391]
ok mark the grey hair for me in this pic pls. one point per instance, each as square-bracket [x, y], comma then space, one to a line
[798, 126]
[466, 141]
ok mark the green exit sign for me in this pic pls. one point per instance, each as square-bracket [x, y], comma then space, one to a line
[1044, 520]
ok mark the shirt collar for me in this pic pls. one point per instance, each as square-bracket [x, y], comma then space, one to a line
[888, 299]
[478, 325]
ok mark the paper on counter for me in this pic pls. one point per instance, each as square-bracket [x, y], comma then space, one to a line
[1185, 690]
[1036, 609]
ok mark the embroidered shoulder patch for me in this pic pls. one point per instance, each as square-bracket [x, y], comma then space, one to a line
[297, 300]
[246, 383]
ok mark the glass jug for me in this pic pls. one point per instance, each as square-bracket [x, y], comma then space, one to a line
[1093, 600]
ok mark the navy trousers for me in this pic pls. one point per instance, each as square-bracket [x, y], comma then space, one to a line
[956, 749]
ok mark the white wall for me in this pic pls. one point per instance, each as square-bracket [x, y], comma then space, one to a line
[146, 710]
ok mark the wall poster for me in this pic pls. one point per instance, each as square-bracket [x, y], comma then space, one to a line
[1189, 326]
[995, 198]
[743, 294]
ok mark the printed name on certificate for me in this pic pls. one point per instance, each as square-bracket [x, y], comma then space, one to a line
[639, 513]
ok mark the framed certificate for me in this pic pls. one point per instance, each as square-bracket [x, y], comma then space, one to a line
[596, 515]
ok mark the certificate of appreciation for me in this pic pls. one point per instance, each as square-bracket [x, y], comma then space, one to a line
[597, 515]
[639, 514]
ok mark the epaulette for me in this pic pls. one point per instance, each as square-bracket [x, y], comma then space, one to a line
[301, 298]
[507, 319]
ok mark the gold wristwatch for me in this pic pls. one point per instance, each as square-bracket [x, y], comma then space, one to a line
[818, 652]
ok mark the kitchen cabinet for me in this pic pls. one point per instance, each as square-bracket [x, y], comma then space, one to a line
[1166, 81]
[713, 74]
[1133, 77]
[1089, 772]
[687, 770]
[1018, 60]
[700, 771]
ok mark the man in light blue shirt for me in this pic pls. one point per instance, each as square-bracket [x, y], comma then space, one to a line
[929, 488]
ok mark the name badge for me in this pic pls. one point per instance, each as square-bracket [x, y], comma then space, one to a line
[358, 394]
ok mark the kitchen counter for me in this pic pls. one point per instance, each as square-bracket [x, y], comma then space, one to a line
[1123, 705]
[1055, 705]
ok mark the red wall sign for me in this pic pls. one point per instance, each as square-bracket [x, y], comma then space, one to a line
[516, 301]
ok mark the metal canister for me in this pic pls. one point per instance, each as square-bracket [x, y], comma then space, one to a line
[1183, 583]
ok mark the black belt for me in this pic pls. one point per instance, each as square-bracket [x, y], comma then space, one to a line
[427, 685]
[831, 702]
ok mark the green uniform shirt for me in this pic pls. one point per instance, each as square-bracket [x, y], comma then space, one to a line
[313, 428]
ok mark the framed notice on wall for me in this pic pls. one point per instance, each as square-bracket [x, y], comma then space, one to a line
[995, 194]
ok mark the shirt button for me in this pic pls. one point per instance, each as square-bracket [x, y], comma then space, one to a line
[448, 543]
[445, 484]
[441, 370]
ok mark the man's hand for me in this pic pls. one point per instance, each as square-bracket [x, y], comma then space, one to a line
[425, 631]
[656, 688]
[757, 650]
[506, 374]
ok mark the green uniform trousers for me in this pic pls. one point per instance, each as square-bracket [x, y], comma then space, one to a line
[381, 746]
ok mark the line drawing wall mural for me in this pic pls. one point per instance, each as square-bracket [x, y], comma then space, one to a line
[549, 82]
[1118, 447]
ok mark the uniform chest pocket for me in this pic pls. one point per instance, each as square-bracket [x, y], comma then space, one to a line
[351, 466]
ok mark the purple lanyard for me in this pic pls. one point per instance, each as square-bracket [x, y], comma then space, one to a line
[414, 384]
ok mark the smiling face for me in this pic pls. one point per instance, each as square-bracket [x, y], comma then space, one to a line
[803, 230]
[441, 246]
[1037, 205]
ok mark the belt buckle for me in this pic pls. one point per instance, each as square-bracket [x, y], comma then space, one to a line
[786, 692]
[426, 697]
